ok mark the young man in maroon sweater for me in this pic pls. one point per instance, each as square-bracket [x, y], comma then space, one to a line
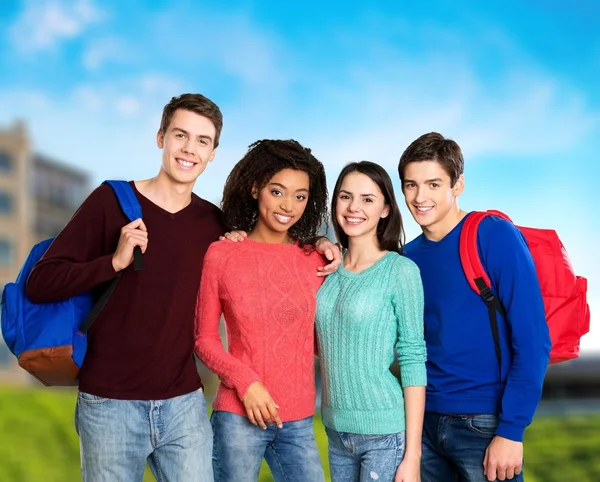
[140, 395]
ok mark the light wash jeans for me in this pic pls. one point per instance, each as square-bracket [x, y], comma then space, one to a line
[239, 448]
[117, 437]
[361, 458]
[454, 447]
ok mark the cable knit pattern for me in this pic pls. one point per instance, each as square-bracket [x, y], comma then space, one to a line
[267, 294]
[361, 317]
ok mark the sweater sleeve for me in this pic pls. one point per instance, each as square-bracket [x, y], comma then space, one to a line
[409, 310]
[208, 346]
[76, 261]
[512, 272]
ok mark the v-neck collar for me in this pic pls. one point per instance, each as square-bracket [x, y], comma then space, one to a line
[158, 208]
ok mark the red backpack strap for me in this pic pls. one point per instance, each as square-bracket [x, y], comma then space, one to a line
[475, 273]
[469, 254]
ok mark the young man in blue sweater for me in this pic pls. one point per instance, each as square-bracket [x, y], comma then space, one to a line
[476, 411]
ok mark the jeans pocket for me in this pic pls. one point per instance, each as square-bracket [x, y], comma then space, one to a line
[378, 442]
[88, 398]
[484, 424]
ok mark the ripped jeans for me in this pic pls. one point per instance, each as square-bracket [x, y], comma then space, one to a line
[364, 458]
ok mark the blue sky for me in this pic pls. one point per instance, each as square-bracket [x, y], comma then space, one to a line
[514, 83]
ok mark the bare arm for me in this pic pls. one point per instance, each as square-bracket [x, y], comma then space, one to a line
[412, 355]
[414, 406]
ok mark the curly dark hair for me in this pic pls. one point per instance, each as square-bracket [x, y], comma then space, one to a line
[264, 159]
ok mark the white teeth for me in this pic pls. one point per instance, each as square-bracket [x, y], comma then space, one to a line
[424, 209]
[283, 219]
[185, 163]
[354, 220]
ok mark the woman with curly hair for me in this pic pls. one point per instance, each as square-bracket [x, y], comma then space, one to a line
[266, 288]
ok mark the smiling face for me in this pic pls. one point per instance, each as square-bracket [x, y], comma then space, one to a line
[431, 198]
[188, 146]
[281, 203]
[360, 205]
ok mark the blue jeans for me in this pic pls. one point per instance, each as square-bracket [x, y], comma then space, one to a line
[240, 446]
[117, 437]
[454, 447]
[362, 458]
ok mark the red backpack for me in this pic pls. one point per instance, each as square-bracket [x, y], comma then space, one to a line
[564, 293]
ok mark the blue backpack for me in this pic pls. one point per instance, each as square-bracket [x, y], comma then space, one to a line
[50, 339]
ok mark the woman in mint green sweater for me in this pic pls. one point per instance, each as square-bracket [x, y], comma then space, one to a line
[372, 305]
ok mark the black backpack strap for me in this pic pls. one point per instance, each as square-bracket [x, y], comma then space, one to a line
[98, 306]
[494, 306]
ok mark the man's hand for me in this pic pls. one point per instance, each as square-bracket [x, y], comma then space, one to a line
[409, 470]
[332, 252]
[503, 459]
[234, 236]
[260, 407]
[132, 235]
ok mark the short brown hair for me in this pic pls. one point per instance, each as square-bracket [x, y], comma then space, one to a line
[198, 104]
[434, 147]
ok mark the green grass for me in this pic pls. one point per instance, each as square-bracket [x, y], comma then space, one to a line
[38, 442]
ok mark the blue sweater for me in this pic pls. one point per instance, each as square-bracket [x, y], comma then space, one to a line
[462, 369]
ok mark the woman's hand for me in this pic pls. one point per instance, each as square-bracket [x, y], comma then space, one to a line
[332, 253]
[409, 470]
[260, 407]
[234, 236]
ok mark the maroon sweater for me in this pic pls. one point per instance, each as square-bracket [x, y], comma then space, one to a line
[141, 345]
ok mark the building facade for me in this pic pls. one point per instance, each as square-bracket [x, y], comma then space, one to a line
[38, 196]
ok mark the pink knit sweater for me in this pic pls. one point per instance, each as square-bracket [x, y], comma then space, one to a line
[267, 294]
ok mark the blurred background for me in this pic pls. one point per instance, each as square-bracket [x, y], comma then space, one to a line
[515, 83]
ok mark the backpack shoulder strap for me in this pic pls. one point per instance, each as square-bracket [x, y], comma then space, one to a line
[127, 199]
[131, 208]
[469, 254]
[475, 273]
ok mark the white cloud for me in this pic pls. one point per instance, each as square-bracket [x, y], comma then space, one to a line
[88, 99]
[248, 53]
[43, 24]
[376, 117]
[128, 106]
[102, 51]
[159, 85]
[228, 43]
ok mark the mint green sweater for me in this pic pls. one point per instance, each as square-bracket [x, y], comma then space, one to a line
[360, 319]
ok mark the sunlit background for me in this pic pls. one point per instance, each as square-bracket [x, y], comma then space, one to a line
[515, 83]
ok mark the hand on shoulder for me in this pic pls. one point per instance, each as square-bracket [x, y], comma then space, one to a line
[332, 252]
[235, 236]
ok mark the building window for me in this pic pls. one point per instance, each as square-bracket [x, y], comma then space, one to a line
[6, 253]
[6, 204]
[5, 355]
[45, 228]
[5, 162]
